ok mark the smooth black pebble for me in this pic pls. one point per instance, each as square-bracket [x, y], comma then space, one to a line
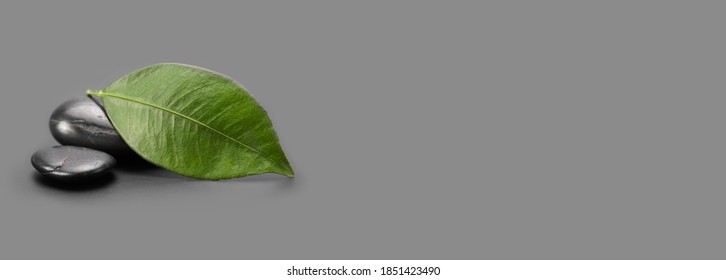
[82, 122]
[71, 163]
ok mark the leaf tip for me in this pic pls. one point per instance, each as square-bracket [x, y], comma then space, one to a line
[287, 172]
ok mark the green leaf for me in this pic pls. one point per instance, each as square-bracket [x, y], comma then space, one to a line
[194, 122]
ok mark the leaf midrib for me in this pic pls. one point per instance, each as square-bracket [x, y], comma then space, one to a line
[103, 93]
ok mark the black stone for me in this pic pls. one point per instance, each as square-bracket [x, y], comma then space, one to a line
[82, 122]
[71, 163]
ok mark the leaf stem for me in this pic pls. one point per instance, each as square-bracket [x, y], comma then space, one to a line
[96, 92]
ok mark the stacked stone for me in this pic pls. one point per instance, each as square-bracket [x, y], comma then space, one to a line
[89, 143]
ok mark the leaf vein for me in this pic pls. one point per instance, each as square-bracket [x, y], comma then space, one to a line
[103, 93]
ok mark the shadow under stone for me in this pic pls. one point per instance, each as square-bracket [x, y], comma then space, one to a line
[134, 164]
[77, 187]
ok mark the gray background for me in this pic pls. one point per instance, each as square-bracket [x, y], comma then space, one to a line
[417, 130]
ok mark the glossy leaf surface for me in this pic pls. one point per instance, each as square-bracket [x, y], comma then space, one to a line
[194, 122]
